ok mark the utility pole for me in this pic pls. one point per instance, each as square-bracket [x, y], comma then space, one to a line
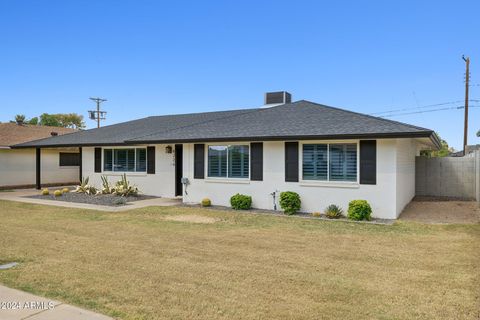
[467, 78]
[98, 114]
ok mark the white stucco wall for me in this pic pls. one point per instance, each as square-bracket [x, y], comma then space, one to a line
[314, 196]
[405, 181]
[394, 189]
[161, 184]
[17, 167]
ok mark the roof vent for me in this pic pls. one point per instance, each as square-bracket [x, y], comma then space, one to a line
[53, 133]
[279, 97]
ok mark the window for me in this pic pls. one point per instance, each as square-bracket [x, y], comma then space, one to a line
[69, 159]
[330, 162]
[125, 160]
[228, 161]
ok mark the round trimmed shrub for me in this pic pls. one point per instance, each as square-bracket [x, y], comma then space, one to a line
[359, 210]
[65, 190]
[206, 202]
[45, 192]
[57, 193]
[316, 214]
[333, 212]
[241, 202]
[290, 202]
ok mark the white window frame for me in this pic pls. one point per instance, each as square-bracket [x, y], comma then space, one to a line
[112, 172]
[328, 182]
[227, 178]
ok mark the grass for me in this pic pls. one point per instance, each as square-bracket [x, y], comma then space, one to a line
[138, 265]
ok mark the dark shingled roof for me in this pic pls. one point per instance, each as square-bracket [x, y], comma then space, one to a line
[298, 120]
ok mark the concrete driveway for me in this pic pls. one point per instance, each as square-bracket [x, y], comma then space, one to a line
[436, 211]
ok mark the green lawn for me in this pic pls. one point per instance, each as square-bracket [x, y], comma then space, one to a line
[139, 265]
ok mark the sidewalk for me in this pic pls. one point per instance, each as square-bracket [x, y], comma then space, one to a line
[19, 196]
[18, 305]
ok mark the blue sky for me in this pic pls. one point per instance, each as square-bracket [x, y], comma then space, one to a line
[154, 57]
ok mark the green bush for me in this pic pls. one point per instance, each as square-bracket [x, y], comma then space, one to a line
[290, 202]
[206, 202]
[241, 202]
[45, 192]
[333, 212]
[359, 210]
[65, 190]
[58, 193]
[316, 214]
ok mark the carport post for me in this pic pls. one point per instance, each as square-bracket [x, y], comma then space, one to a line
[80, 164]
[477, 175]
[37, 168]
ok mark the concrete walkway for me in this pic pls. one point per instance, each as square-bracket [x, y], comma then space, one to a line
[17, 305]
[19, 195]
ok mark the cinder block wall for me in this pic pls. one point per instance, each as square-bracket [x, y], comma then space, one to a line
[447, 177]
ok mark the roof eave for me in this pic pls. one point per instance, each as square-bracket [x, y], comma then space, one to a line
[421, 134]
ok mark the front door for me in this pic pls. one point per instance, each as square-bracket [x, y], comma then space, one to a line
[178, 169]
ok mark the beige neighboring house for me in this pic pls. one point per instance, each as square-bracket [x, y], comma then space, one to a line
[17, 166]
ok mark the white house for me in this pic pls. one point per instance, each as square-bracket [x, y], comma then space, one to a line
[327, 155]
[59, 166]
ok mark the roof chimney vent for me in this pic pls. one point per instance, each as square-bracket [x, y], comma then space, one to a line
[278, 97]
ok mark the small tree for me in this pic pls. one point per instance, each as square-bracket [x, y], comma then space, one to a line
[20, 118]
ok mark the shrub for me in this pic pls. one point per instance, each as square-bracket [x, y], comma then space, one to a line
[206, 202]
[124, 188]
[359, 210]
[106, 188]
[45, 192]
[84, 187]
[57, 193]
[333, 212]
[241, 202]
[65, 190]
[290, 202]
[316, 214]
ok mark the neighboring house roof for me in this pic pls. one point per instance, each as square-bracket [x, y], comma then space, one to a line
[298, 120]
[12, 133]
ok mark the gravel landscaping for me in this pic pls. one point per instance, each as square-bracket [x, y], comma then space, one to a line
[304, 215]
[101, 199]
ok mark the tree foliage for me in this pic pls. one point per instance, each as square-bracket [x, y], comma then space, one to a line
[444, 151]
[66, 120]
[20, 118]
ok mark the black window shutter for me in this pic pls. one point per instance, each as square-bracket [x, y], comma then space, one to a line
[291, 161]
[256, 161]
[98, 159]
[151, 160]
[199, 161]
[368, 162]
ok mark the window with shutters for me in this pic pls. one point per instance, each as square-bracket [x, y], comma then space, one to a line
[125, 160]
[232, 161]
[330, 162]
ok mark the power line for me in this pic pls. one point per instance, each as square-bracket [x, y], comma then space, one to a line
[426, 111]
[423, 107]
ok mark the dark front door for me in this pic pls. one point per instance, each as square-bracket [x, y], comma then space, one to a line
[178, 169]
